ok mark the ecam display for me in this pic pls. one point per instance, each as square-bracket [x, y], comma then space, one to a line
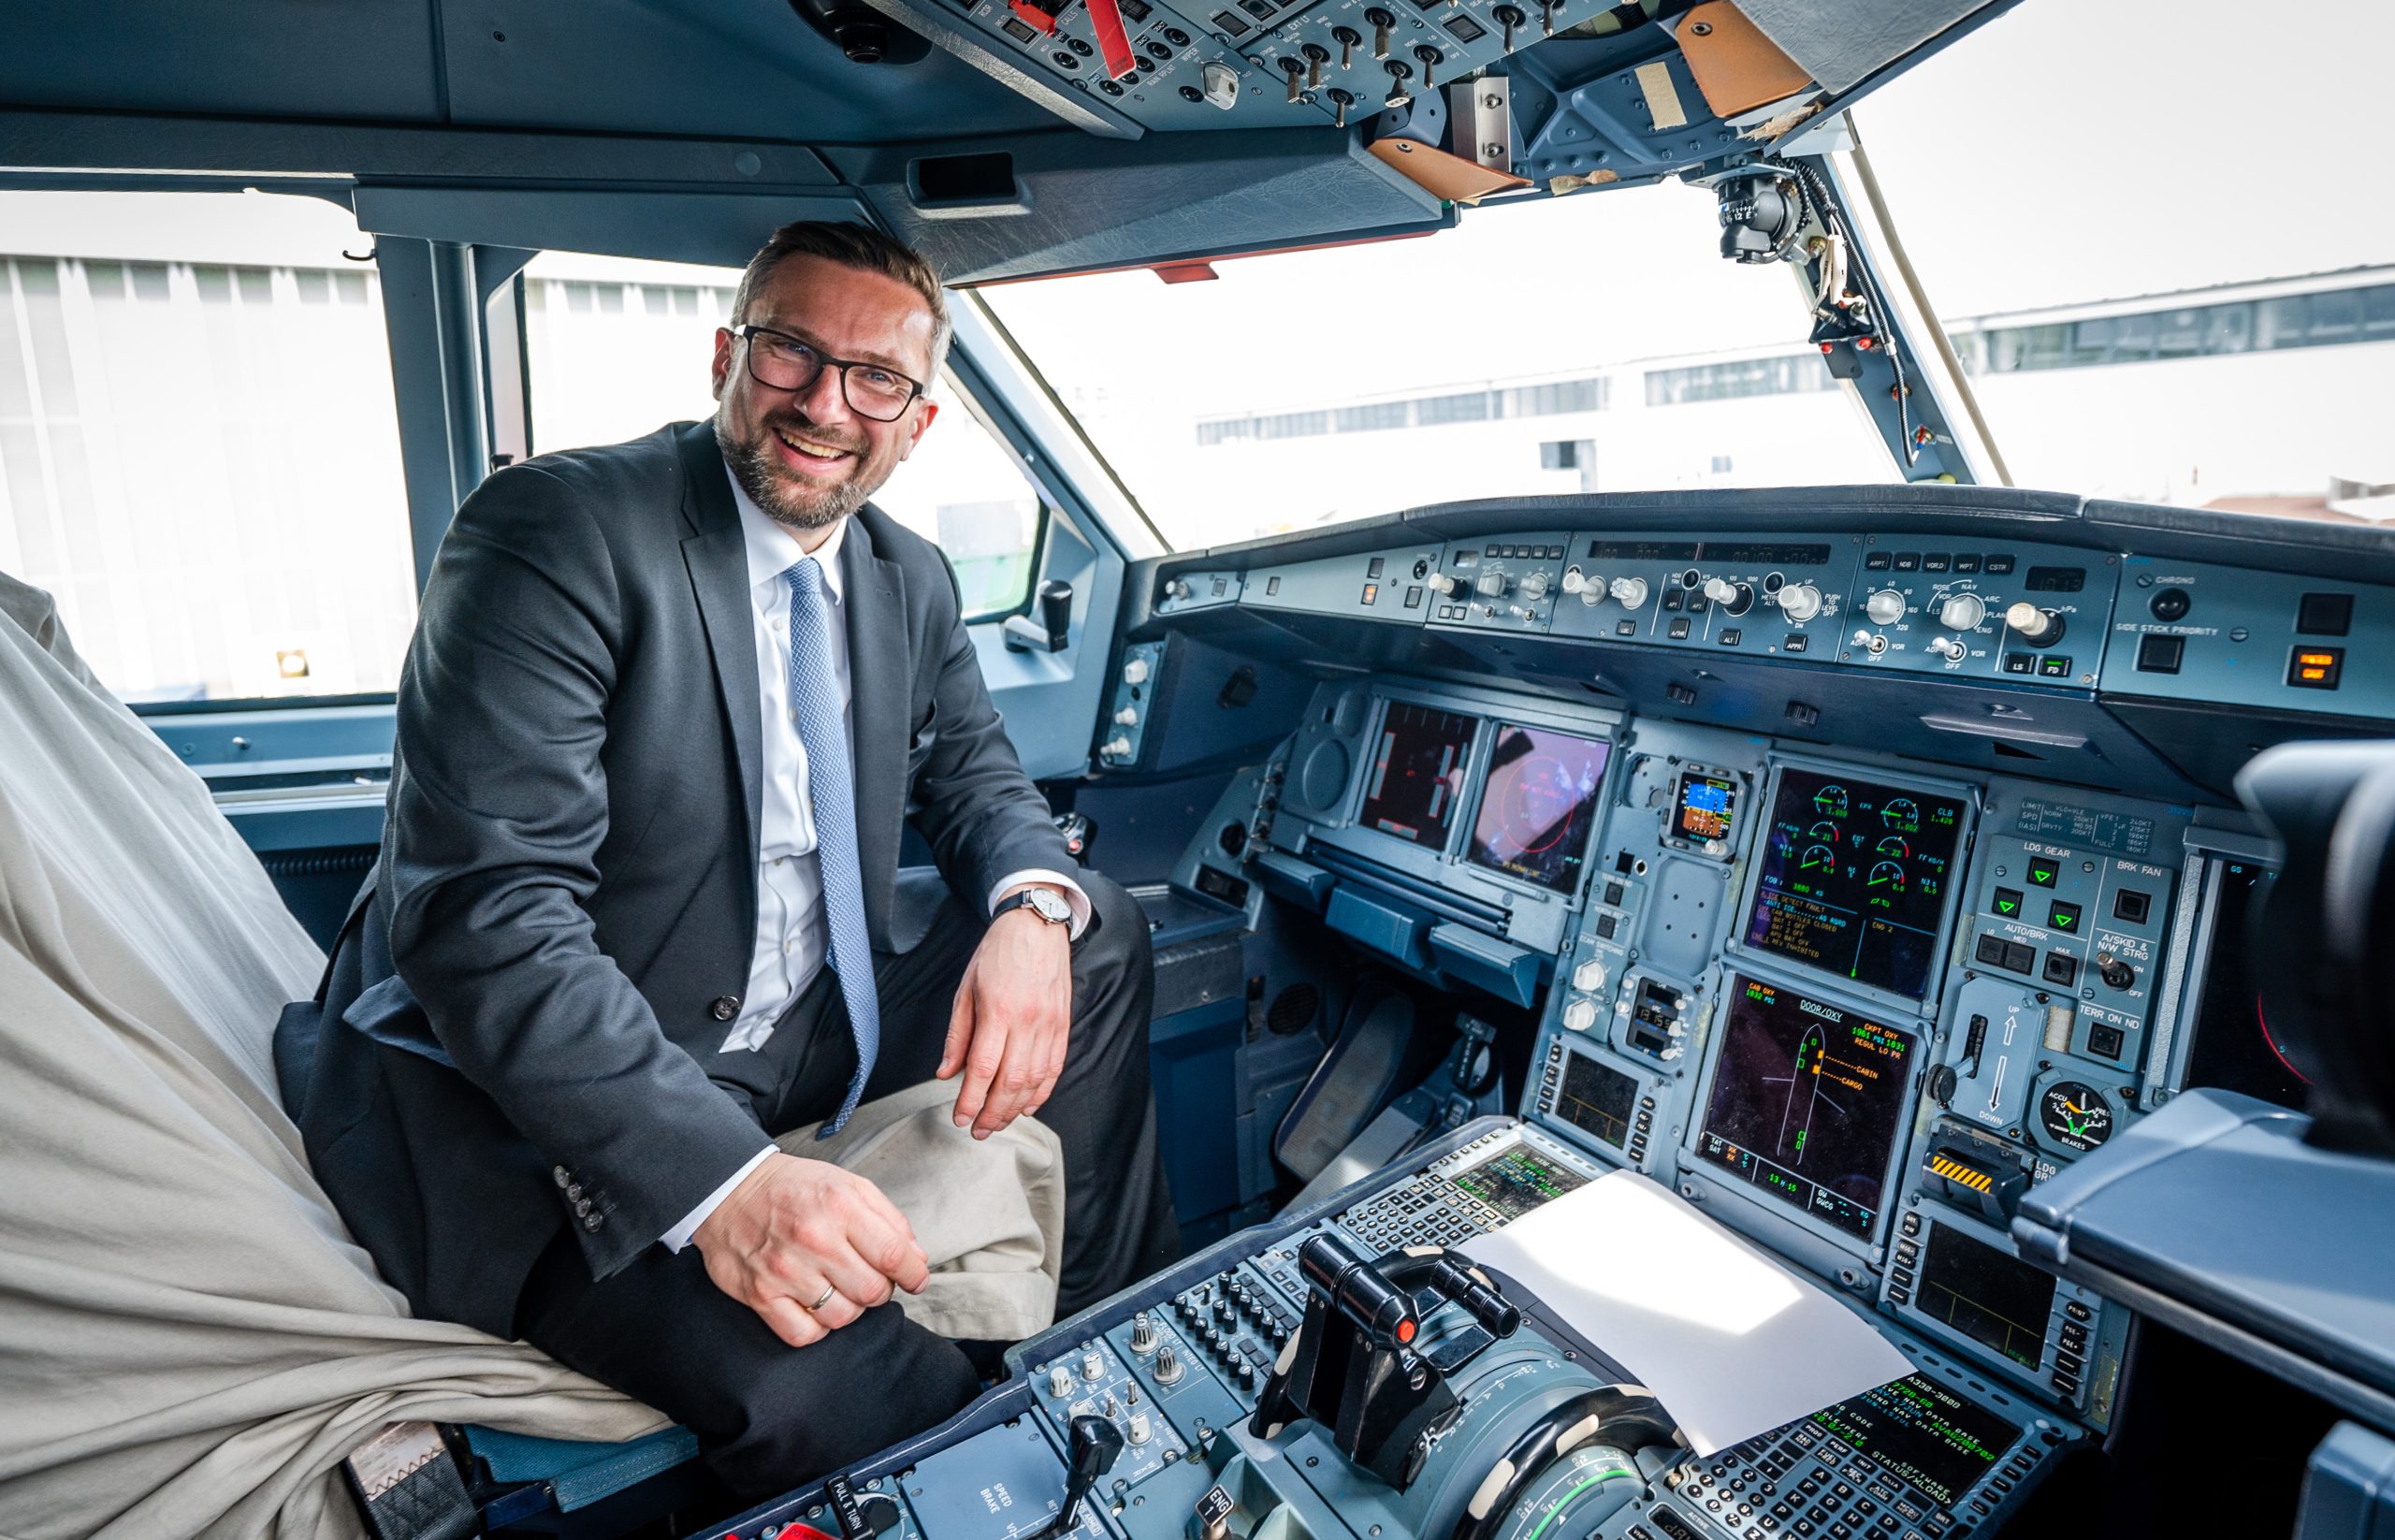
[1539, 807]
[1417, 773]
[1852, 878]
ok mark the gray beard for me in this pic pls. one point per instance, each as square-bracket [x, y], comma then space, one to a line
[754, 469]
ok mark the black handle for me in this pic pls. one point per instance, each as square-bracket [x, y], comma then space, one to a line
[1054, 605]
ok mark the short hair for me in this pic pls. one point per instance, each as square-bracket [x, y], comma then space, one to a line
[858, 246]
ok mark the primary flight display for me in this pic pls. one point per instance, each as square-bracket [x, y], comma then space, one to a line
[1853, 877]
[1417, 772]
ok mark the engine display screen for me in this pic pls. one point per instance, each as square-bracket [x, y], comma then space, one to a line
[1417, 773]
[1985, 1295]
[1706, 808]
[1514, 1182]
[1596, 1098]
[1924, 1433]
[2235, 1049]
[1852, 878]
[1807, 1100]
[1539, 807]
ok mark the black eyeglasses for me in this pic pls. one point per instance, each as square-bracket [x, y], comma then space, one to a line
[784, 362]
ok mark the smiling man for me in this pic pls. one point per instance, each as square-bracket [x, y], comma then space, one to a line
[668, 706]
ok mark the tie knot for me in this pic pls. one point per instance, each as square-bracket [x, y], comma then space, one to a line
[804, 577]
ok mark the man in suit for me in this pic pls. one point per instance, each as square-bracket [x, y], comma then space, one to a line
[638, 908]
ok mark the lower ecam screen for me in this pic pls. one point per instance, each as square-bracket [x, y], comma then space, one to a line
[1852, 878]
[1540, 806]
[1417, 773]
[1808, 1099]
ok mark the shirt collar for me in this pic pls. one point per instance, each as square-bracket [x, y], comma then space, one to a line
[772, 549]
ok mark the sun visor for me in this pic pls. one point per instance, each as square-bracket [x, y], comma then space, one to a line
[1840, 43]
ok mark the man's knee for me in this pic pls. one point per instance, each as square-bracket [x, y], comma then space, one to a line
[1116, 948]
[803, 1419]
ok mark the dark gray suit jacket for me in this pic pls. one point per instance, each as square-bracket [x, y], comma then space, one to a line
[511, 1031]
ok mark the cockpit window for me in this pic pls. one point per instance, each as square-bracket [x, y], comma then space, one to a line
[2215, 333]
[1591, 343]
[199, 454]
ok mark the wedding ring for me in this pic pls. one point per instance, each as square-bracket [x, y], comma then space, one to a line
[822, 1299]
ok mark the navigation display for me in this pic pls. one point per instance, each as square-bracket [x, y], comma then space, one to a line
[1922, 1433]
[1596, 1098]
[1852, 878]
[1417, 773]
[1539, 807]
[1708, 806]
[2235, 1048]
[1514, 1182]
[1985, 1295]
[1806, 1102]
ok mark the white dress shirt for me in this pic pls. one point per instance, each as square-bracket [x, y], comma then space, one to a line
[792, 939]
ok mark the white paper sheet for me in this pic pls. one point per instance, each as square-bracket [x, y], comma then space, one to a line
[1733, 1343]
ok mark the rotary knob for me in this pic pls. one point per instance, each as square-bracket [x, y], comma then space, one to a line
[1140, 1429]
[1118, 749]
[1962, 612]
[1128, 717]
[1885, 607]
[1490, 585]
[1574, 580]
[1144, 1333]
[2039, 628]
[1720, 589]
[1178, 588]
[1593, 591]
[1581, 1014]
[1630, 591]
[1060, 1380]
[1442, 582]
[1799, 602]
[1534, 586]
[1093, 1366]
[1167, 1365]
[1589, 976]
[1135, 672]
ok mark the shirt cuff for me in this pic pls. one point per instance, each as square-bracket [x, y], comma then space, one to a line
[1074, 898]
[679, 1236]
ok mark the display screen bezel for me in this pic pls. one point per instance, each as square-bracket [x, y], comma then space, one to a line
[1742, 794]
[1481, 774]
[1933, 984]
[1978, 1347]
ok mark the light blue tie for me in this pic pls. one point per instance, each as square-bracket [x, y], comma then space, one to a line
[830, 792]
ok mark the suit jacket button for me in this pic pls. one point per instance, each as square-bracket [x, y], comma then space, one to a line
[592, 1222]
[725, 1008]
[573, 1190]
[582, 1207]
[558, 1175]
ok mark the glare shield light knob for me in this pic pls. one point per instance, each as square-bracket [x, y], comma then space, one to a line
[1534, 586]
[1490, 585]
[1581, 1014]
[1136, 672]
[1799, 602]
[1630, 591]
[1963, 612]
[2036, 627]
[1589, 976]
[1885, 607]
[1574, 580]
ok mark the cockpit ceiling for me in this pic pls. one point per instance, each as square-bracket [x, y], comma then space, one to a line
[1008, 138]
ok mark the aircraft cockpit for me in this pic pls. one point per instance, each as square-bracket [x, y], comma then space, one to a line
[1750, 854]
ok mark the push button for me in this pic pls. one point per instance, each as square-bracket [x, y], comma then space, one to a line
[1990, 950]
[2053, 667]
[2007, 903]
[2130, 907]
[2064, 917]
[2062, 969]
[2159, 654]
[2043, 869]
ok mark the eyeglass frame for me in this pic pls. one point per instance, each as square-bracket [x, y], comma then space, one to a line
[747, 330]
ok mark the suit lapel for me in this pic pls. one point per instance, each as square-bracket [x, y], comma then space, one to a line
[718, 567]
[879, 694]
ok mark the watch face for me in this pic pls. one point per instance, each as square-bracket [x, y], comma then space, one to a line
[1050, 904]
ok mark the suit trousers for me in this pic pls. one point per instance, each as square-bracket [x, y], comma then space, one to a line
[771, 1418]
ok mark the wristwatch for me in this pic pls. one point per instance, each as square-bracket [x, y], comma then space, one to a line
[1046, 903]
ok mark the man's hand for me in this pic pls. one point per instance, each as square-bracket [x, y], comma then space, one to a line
[793, 1225]
[1007, 1030]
